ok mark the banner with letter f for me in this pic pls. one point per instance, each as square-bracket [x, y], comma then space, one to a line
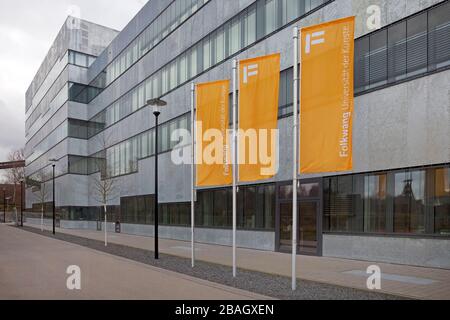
[326, 104]
[258, 118]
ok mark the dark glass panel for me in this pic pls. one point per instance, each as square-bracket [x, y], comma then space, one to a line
[362, 66]
[375, 188]
[409, 203]
[378, 58]
[441, 203]
[397, 51]
[439, 36]
[417, 44]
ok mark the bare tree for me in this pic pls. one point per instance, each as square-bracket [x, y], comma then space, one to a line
[15, 175]
[41, 192]
[104, 185]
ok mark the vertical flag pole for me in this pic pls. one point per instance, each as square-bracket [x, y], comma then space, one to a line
[193, 134]
[234, 149]
[295, 159]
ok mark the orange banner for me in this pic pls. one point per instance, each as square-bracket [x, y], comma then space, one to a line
[258, 117]
[213, 151]
[327, 97]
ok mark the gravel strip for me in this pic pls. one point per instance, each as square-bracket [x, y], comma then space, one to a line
[266, 284]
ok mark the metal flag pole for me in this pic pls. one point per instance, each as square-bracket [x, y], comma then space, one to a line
[234, 149]
[295, 159]
[193, 191]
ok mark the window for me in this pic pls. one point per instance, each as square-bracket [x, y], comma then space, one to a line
[265, 204]
[164, 80]
[397, 52]
[413, 202]
[220, 46]
[343, 203]
[134, 101]
[78, 165]
[145, 152]
[409, 203]
[256, 208]
[78, 129]
[141, 97]
[375, 192]
[148, 90]
[80, 59]
[247, 207]
[286, 95]
[408, 48]
[173, 125]
[362, 67]
[378, 58]
[155, 86]
[193, 63]
[182, 73]
[250, 26]
[439, 36]
[163, 138]
[234, 37]
[206, 54]
[441, 201]
[417, 44]
[137, 210]
[271, 16]
[291, 10]
[173, 76]
[221, 208]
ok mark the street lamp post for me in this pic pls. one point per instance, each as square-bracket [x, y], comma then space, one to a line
[156, 104]
[4, 205]
[21, 202]
[53, 193]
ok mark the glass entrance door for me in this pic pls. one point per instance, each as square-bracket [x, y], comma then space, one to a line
[307, 227]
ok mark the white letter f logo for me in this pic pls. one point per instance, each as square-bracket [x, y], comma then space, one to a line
[317, 39]
[250, 71]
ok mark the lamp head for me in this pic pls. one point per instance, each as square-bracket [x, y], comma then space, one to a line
[157, 104]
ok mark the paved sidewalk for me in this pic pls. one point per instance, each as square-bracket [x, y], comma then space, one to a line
[34, 267]
[407, 281]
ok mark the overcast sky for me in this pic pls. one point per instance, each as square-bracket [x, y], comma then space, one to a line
[27, 30]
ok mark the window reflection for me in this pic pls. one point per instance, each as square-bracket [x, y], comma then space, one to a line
[409, 203]
[441, 203]
[375, 192]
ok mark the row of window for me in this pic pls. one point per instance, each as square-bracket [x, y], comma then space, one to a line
[80, 59]
[75, 92]
[69, 128]
[410, 47]
[82, 93]
[55, 98]
[256, 209]
[55, 137]
[120, 159]
[173, 16]
[409, 202]
[405, 202]
[252, 24]
[123, 158]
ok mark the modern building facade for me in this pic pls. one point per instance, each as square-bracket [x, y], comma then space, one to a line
[86, 108]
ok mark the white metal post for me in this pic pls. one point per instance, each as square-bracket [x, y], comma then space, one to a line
[295, 159]
[193, 133]
[234, 149]
[106, 227]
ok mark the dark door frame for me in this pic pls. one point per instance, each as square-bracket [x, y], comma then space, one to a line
[319, 202]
